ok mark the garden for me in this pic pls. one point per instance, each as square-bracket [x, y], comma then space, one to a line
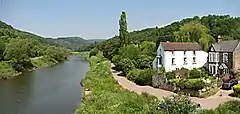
[195, 82]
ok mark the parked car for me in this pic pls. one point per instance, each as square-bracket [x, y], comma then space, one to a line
[229, 83]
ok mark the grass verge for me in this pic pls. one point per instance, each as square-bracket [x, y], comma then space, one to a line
[107, 97]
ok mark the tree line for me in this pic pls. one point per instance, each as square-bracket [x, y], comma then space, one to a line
[203, 30]
[18, 47]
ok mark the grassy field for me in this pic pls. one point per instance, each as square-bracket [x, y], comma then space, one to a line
[107, 97]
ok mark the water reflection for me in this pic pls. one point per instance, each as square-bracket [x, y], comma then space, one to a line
[52, 90]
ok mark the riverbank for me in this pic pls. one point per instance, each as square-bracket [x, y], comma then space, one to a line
[84, 55]
[7, 72]
[102, 94]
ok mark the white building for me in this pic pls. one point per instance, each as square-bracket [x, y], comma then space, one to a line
[177, 55]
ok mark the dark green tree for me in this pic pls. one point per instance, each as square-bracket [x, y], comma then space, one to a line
[2, 48]
[123, 32]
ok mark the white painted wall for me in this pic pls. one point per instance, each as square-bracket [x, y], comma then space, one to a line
[201, 59]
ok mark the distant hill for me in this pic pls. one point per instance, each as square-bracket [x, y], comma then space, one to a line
[71, 42]
[7, 31]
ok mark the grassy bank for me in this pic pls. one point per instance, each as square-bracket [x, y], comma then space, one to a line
[105, 96]
[42, 61]
[7, 71]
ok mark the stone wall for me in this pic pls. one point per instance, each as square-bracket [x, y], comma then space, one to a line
[160, 81]
[236, 59]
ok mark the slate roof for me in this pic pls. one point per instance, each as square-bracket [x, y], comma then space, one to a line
[180, 46]
[225, 46]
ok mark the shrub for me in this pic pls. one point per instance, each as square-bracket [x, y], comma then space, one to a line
[6, 70]
[93, 52]
[171, 75]
[194, 84]
[178, 104]
[125, 65]
[141, 77]
[131, 52]
[145, 77]
[143, 61]
[194, 73]
[133, 74]
[236, 88]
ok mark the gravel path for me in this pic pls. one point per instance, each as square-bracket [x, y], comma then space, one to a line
[206, 103]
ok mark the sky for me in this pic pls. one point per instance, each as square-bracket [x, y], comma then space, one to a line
[97, 19]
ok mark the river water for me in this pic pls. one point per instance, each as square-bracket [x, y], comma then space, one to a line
[51, 90]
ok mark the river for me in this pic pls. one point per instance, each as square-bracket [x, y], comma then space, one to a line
[50, 90]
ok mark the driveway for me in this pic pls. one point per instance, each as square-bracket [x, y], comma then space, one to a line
[206, 103]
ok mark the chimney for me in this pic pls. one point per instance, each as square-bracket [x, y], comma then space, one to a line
[219, 39]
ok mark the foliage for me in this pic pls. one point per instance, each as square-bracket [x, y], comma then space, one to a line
[19, 52]
[2, 48]
[43, 61]
[194, 73]
[123, 30]
[143, 61]
[6, 70]
[141, 77]
[130, 51]
[178, 104]
[171, 75]
[195, 32]
[193, 84]
[210, 92]
[57, 53]
[224, 25]
[236, 88]
[148, 48]
[109, 48]
[108, 97]
[93, 52]
[126, 65]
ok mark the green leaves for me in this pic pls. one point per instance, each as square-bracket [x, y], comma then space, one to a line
[123, 32]
[195, 32]
[57, 53]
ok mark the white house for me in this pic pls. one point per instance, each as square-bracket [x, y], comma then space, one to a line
[177, 55]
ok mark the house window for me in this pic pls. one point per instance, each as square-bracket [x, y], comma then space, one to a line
[177, 68]
[217, 57]
[225, 71]
[225, 57]
[160, 60]
[173, 53]
[173, 61]
[214, 69]
[209, 57]
[194, 60]
[194, 52]
[213, 57]
[185, 52]
[185, 60]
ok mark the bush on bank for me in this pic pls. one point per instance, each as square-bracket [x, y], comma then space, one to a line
[107, 97]
[6, 70]
[141, 77]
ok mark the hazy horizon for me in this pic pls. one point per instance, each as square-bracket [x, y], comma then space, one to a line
[99, 19]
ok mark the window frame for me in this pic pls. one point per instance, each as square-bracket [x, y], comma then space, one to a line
[194, 60]
[194, 52]
[185, 62]
[173, 61]
[225, 57]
